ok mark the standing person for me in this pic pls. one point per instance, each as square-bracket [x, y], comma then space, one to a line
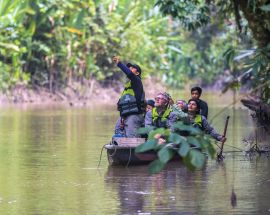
[196, 93]
[131, 104]
[161, 115]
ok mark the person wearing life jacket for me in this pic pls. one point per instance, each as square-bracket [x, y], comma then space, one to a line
[196, 93]
[131, 104]
[200, 121]
[161, 116]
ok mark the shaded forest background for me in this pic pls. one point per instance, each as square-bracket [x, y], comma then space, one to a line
[64, 48]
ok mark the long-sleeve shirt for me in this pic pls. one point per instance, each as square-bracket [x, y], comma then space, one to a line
[203, 108]
[206, 127]
[178, 112]
[136, 82]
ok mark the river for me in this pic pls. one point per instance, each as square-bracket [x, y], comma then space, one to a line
[49, 160]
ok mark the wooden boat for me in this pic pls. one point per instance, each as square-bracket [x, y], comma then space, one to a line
[121, 151]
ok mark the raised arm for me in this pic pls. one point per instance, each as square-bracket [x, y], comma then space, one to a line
[122, 66]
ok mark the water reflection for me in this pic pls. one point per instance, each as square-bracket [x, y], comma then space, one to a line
[175, 190]
[49, 158]
[221, 188]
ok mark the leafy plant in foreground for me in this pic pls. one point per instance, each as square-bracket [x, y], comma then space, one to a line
[187, 142]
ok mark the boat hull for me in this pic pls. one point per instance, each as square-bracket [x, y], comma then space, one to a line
[121, 151]
[118, 155]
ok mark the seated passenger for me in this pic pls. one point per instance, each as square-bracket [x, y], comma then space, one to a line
[196, 93]
[161, 115]
[197, 120]
[150, 104]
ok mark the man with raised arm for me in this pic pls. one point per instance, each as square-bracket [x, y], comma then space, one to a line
[131, 104]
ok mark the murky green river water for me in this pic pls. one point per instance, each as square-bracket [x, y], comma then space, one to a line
[49, 158]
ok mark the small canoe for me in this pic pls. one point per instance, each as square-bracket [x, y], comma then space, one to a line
[121, 151]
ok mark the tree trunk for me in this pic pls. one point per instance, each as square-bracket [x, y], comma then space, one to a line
[258, 20]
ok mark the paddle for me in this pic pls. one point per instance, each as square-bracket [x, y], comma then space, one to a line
[220, 156]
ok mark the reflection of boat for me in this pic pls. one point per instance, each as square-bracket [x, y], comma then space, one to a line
[121, 151]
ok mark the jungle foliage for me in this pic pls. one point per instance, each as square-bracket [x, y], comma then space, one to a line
[53, 43]
[193, 148]
[247, 54]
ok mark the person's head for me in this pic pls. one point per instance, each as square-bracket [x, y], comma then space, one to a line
[162, 100]
[181, 104]
[196, 92]
[150, 104]
[194, 106]
[135, 69]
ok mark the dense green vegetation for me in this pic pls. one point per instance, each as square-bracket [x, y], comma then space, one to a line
[53, 43]
[247, 54]
[191, 144]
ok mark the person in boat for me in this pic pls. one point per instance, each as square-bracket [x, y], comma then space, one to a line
[150, 104]
[181, 104]
[196, 93]
[131, 104]
[194, 117]
[161, 116]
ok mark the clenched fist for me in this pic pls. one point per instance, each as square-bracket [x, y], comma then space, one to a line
[116, 59]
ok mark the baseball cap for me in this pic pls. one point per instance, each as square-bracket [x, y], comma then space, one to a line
[136, 66]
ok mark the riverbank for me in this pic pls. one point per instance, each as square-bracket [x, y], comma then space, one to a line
[88, 94]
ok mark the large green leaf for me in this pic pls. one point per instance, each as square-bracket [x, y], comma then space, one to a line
[148, 145]
[175, 138]
[193, 141]
[161, 131]
[10, 46]
[156, 166]
[184, 149]
[182, 127]
[165, 154]
[197, 158]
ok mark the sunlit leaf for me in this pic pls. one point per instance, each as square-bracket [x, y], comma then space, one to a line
[244, 54]
[74, 30]
[10, 46]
